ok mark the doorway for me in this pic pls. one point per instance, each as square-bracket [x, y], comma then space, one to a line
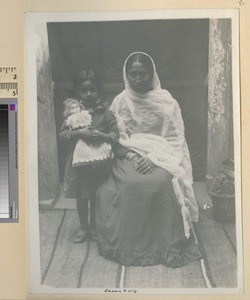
[178, 47]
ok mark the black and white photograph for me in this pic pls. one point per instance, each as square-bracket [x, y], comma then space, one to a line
[134, 152]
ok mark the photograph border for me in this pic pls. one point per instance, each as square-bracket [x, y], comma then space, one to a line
[35, 18]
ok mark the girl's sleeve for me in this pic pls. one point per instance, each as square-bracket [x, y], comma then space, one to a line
[65, 133]
[120, 151]
[112, 127]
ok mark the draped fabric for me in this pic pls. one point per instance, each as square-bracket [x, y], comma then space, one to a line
[151, 125]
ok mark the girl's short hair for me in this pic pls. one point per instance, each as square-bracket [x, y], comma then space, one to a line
[142, 58]
[87, 75]
[67, 105]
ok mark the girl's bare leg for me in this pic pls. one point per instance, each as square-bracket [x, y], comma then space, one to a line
[82, 210]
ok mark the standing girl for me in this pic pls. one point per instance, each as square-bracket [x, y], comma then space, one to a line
[82, 180]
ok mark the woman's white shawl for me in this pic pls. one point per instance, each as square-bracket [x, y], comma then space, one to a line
[151, 124]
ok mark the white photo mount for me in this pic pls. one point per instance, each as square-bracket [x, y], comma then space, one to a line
[38, 58]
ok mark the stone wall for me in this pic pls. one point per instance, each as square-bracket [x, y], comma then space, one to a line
[47, 146]
[220, 114]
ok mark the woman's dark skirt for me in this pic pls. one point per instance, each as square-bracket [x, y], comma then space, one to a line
[139, 221]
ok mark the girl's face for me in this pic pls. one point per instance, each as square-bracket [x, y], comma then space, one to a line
[87, 92]
[74, 108]
[139, 77]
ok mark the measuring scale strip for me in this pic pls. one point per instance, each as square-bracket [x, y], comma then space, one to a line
[8, 161]
[8, 82]
[9, 206]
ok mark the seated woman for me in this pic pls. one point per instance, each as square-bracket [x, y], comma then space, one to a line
[145, 208]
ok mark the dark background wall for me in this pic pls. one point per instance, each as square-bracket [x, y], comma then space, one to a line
[178, 47]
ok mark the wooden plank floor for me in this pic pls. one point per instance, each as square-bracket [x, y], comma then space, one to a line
[65, 268]
[163, 277]
[49, 223]
[65, 264]
[99, 272]
[219, 255]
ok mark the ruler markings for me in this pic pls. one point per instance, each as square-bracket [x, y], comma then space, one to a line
[8, 144]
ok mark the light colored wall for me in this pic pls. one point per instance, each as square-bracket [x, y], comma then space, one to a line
[47, 146]
[220, 118]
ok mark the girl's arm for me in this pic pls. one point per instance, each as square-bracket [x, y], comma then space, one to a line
[69, 135]
[105, 137]
[109, 133]
[120, 151]
[112, 128]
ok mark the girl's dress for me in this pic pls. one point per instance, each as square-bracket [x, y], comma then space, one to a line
[146, 219]
[87, 154]
[83, 180]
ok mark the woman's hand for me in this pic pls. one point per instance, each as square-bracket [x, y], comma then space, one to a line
[145, 166]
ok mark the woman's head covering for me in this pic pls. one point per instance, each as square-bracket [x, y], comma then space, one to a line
[145, 109]
[155, 79]
[154, 113]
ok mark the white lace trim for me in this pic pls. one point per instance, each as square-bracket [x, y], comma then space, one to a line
[85, 154]
[81, 119]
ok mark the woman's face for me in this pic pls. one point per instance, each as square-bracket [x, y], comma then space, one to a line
[87, 92]
[139, 78]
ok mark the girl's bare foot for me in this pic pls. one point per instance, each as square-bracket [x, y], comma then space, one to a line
[80, 236]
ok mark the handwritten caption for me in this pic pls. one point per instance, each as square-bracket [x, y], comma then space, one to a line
[121, 291]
